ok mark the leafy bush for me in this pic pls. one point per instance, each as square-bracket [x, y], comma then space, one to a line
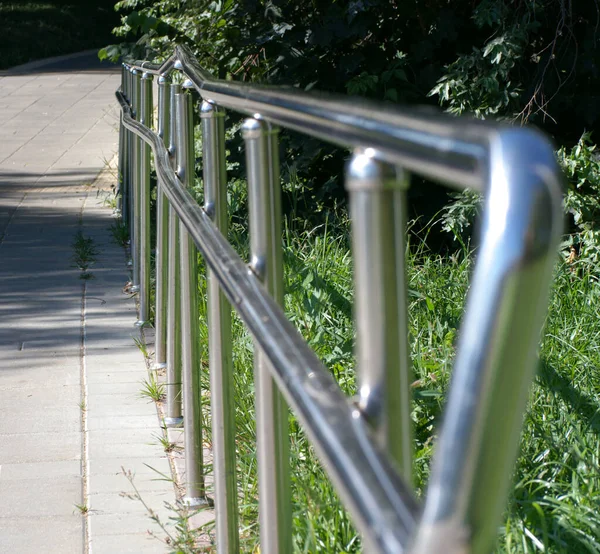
[581, 165]
[517, 61]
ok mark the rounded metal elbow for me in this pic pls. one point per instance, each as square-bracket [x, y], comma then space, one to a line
[524, 195]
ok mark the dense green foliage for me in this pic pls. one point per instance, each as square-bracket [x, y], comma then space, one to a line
[35, 30]
[524, 61]
[536, 59]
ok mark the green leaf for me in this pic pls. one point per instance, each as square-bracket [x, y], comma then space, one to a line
[391, 94]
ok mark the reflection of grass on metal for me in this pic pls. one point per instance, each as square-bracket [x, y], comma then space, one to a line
[37, 30]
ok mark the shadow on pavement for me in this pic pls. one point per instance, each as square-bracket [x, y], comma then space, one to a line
[84, 62]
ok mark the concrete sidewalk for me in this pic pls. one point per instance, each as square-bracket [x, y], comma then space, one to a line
[70, 373]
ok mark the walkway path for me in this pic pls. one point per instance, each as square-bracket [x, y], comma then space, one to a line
[70, 411]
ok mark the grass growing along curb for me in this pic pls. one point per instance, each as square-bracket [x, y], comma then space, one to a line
[178, 538]
[119, 232]
[143, 348]
[152, 389]
[167, 445]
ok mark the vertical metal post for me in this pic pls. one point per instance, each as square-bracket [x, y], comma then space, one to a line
[136, 213]
[264, 202]
[120, 192]
[377, 210]
[130, 172]
[162, 234]
[145, 118]
[174, 401]
[219, 339]
[496, 358]
[129, 168]
[192, 399]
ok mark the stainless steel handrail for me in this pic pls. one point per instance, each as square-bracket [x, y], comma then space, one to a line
[496, 354]
[421, 140]
[363, 476]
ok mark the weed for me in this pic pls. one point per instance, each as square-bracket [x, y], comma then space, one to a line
[83, 509]
[167, 445]
[119, 232]
[109, 199]
[552, 507]
[143, 348]
[83, 406]
[178, 536]
[152, 389]
[84, 255]
[553, 504]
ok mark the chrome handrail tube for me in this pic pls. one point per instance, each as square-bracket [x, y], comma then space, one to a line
[383, 507]
[220, 349]
[422, 140]
[135, 185]
[190, 349]
[162, 233]
[266, 261]
[377, 206]
[368, 463]
[143, 242]
[174, 402]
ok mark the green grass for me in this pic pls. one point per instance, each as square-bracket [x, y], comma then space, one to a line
[557, 496]
[554, 504]
[152, 389]
[84, 255]
[36, 30]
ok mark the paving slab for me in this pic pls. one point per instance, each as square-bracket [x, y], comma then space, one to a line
[24, 470]
[128, 544]
[64, 533]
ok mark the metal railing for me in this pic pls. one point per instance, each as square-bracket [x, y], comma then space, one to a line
[364, 444]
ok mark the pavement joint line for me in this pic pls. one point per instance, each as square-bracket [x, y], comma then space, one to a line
[85, 447]
[84, 335]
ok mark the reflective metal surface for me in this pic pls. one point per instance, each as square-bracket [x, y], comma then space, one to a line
[272, 427]
[365, 448]
[377, 204]
[190, 356]
[219, 339]
[135, 184]
[162, 235]
[174, 401]
[143, 242]
[383, 507]
[496, 355]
